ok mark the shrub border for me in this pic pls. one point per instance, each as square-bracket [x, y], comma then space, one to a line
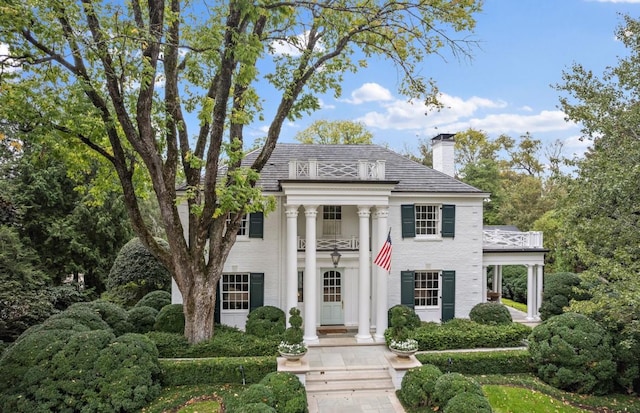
[216, 370]
[480, 362]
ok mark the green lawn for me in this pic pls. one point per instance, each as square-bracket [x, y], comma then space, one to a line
[182, 398]
[513, 304]
[506, 399]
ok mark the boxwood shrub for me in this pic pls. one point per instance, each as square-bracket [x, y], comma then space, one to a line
[418, 387]
[490, 313]
[481, 362]
[450, 384]
[156, 299]
[266, 321]
[114, 315]
[231, 342]
[170, 319]
[142, 318]
[573, 353]
[170, 345]
[179, 372]
[466, 334]
[468, 403]
[290, 395]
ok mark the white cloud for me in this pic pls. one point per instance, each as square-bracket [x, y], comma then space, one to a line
[576, 146]
[325, 105]
[293, 46]
[619, 1]
[545, 121]
[7, 65]
[370, 92]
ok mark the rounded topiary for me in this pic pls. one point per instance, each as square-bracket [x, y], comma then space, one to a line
[559, 290]
[490, 313]
[255, 408]
[468, 403]
[111, 313]
[450, 384]
[142, 319]
[412, 320]
[294, 334]
[155, 299]
[418, 386]
[289, 393]
[257, 393]
[573, 353]
[135, 273]
[267, 321]
[170, 319]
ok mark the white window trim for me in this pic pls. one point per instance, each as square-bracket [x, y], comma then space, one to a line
[438, 223]
[438, 275]
[235, 310]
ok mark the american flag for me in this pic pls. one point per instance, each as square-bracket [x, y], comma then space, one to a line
[383, 259]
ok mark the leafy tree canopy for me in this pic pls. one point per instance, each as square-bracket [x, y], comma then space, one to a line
[335, 132]
[119, 82]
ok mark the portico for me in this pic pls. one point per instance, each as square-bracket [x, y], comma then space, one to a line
[371, 202]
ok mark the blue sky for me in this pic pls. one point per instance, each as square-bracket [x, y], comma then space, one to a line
[524, 45]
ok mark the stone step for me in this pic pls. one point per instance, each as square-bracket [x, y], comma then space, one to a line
[351, 380]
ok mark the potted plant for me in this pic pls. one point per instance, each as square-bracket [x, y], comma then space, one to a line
[399, 340]
[292, 347]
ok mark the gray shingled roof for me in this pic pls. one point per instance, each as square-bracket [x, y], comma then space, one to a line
[410, 176]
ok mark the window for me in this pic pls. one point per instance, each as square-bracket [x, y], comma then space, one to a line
[244, 226]
[427, 288]
[235, 291]
[300, 287]
[332, 220]
[427, 219]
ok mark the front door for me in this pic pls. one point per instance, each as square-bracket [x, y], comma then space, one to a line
[332, 311]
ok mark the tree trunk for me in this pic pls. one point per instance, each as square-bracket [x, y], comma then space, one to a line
[199, 305]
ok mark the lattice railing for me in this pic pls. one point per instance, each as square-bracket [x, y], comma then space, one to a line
[352, 243]
[496, 237]
[313, 169]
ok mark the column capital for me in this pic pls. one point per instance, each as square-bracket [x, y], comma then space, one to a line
[364, 211]
[311, 211]
[291, 210]
[382, 211]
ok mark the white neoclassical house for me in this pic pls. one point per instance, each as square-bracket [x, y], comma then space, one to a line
[335, 206]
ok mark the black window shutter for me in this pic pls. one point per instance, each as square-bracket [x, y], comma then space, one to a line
[448, 221]
[256, 290]
[408, 213]
[256, 225]
[407, 288]
[448, 295]
[216, 310]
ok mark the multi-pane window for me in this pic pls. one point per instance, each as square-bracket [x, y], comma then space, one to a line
[427, 287]
[235, 291]
[243, 231]
[332, 220]
[427, 219]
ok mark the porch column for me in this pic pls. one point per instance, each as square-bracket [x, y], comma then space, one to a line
[539, 288]
[292, 258]
[499, 282]
[531, 294]
[382, 213]
[364, 280]
[310, 290]
[483, 296]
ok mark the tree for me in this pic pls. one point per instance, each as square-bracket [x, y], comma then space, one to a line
[124, 81]
[335, 132]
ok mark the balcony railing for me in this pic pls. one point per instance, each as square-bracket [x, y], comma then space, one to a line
[314, 169]
[497, 238]
[352, 243]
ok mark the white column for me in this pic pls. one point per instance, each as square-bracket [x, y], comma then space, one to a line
[310, 290]
[530, 292]
[382, 213]
[483, 296]
[292, 258]
[374, 279]
[499, 283]
[364, 280]
[540, 286]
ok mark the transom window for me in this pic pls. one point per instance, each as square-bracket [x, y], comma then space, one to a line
[427, 219]
[332, 220]
[427, 288]
[235, 291]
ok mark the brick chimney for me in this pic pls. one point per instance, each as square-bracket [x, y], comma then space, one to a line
[443, 153]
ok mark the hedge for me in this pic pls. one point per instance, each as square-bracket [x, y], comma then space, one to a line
[466, 334]
[223, 370]
[480, 362]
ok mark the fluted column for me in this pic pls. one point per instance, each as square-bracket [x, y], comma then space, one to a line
[364, 280]
[292, 258]
[310, 290]
[382, 213]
